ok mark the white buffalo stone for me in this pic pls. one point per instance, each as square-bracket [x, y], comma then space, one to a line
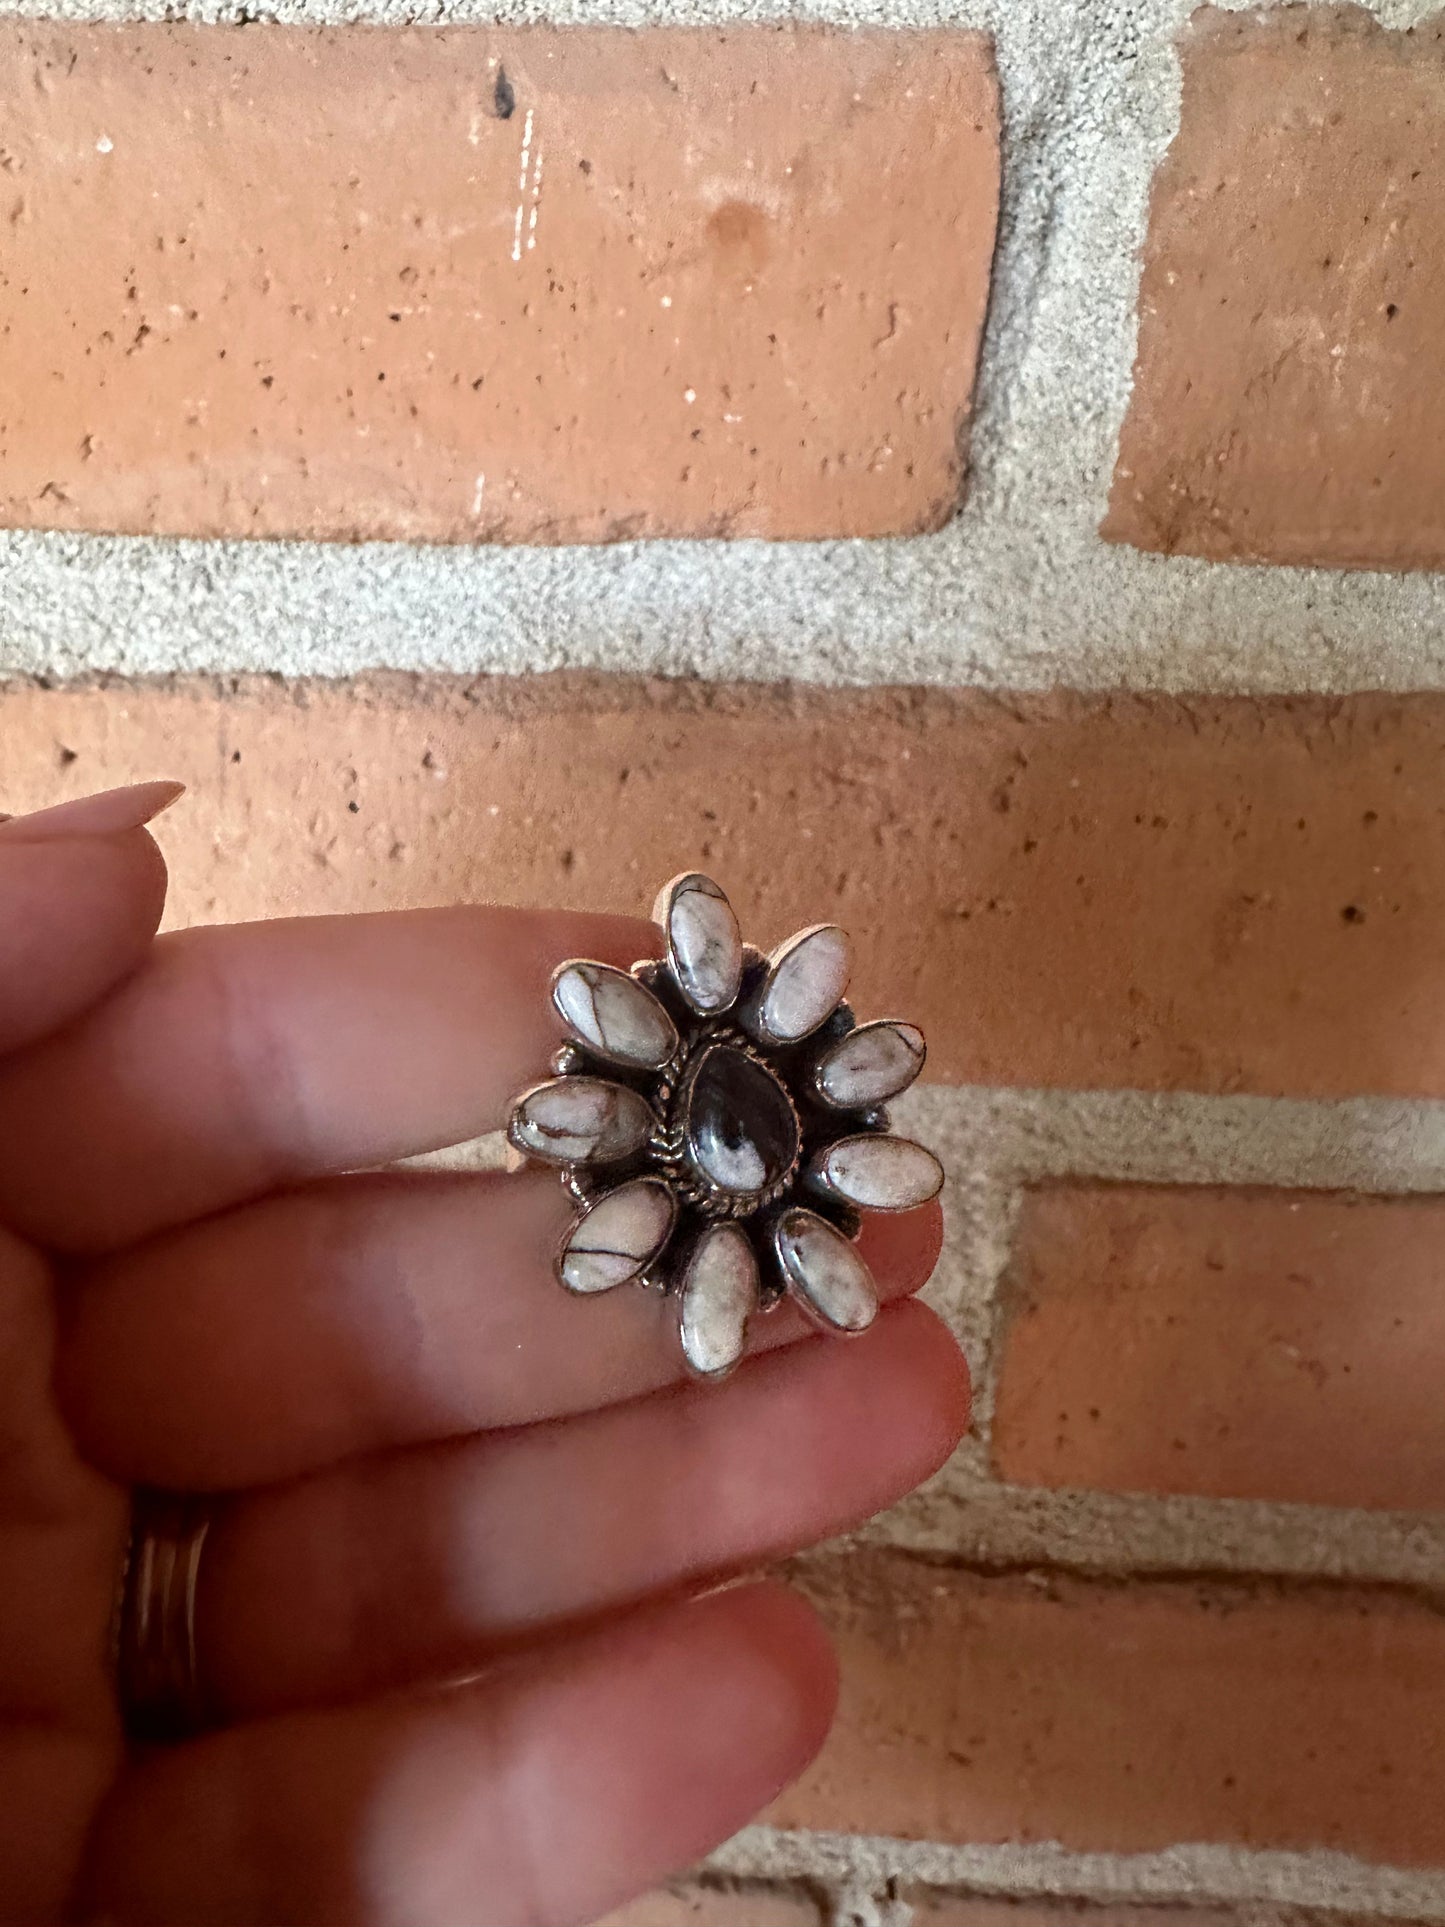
[805, 984]
[825, 1273]
[704, 945]
[719, 1292]
[870, 1065]
[879, 1173]
[615, 1015]
[580, 1119]
[617, 1236]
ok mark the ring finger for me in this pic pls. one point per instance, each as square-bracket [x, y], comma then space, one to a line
[419, 1564]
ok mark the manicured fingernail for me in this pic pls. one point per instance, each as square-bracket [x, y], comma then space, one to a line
[106, 814]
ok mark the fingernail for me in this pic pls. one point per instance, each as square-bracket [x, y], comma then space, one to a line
[106, 814]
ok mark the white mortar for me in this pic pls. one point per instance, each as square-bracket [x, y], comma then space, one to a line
[1019, 591]
[1329, 1883]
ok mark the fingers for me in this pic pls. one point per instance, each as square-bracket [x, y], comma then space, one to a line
[81, 893]
[54, 1777]
[547, 1793]
[415, 1566]
[371, 1312]
[243, 1058]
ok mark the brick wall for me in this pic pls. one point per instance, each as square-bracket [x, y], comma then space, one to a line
[1028, 324]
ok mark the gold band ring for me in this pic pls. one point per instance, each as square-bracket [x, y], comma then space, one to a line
[158, 1678]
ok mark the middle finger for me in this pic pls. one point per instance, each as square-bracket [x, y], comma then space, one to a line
[370, 1312]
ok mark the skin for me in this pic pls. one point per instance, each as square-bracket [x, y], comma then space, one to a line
[431, 1465]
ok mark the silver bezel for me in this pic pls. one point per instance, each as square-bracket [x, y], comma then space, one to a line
[669, 1140]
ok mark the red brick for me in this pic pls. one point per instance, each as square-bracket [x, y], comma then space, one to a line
[265, 281]
[1244, 1344]
[747, 1904]
[1129, 1717]
[1289, 395]
[1218, 895]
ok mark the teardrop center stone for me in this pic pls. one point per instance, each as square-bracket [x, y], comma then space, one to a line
[741, 1128]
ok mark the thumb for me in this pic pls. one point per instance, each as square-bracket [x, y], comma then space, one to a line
[81, 892]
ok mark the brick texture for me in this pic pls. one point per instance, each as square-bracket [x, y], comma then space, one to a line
[1244, 1344]
[1128, 1717]
[491, 286]
[1289, 396]
[1216, 895]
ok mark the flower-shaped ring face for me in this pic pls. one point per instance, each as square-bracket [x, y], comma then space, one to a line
[718, 1117]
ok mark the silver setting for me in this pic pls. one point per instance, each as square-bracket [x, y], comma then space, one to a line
[717, 1295]
[717, 1117]
[804, 984]
[829, 1279]
[617, 1235]
[614, 1015]
[871, 1065]
[688, 1174]
[878, 1173]
[580, 1120]
[704, 945]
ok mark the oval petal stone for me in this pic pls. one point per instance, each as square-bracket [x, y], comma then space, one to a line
[741, 1128]
[805, 984]
[880, 1173]
[824, 1271]
[580, 1120]
[718, 1294]
[617, 1236]
[869, 1065]
[704, 944]
[614, 1014]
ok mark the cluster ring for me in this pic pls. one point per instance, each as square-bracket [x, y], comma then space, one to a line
[719, 1116]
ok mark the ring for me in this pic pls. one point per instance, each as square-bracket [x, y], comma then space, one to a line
[718, 1117]
[157, 1675]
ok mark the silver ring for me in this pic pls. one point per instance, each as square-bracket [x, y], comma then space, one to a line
[156, 1666]
[718, 1117]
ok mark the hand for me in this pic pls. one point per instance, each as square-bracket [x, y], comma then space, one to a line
[433, 1462]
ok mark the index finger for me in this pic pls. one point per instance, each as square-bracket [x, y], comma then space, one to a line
[76, 915]
[245, 1058]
